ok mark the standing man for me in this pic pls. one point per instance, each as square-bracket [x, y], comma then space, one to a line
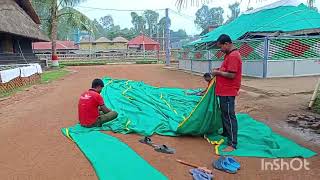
[91, 108]
[228, 81]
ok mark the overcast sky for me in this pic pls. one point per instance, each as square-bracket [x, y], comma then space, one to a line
[182, 21]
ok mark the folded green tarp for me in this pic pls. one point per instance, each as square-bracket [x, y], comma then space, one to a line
[147, 110]
[111, 158]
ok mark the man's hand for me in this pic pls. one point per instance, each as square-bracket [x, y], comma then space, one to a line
[200, 94]
[229, 75]
[105, 109]
[216, 72]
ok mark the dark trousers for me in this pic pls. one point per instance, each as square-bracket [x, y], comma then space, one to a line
[103, 118]
[229, 120]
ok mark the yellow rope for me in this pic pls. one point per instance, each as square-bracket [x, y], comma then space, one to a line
[172, 109]
[68, 135]
[194, 109]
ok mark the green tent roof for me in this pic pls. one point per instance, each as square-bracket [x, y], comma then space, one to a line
[283, 19]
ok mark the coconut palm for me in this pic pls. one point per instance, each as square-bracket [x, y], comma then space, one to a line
[50, 11]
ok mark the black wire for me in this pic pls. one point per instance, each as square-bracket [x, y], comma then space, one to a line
[130, 10]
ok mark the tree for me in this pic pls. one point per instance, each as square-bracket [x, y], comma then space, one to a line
[151, 18]
[177, 36]
[72, 21]
[114, 32]
[99, 30]
[162, 24]
[53, 10]
[127, 33]
[138, 22]
[107, 22]
[162, 30]
[217, 15]
[206, 17]
[235, 11]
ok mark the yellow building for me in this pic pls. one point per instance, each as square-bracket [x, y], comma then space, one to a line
[102, 43]
[86, 44]
[119, 43]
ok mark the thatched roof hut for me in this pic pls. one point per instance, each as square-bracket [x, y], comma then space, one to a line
[17, 17]
[120, 39]
[103, 40]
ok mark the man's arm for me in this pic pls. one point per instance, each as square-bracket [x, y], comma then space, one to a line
[229, 75]
[105, 109]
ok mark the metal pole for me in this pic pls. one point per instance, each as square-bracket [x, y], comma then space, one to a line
[294, 68]
[163, 40]
[144, 48]
[265, 58]
[167, 38]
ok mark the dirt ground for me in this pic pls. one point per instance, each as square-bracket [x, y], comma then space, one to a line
[32, 146]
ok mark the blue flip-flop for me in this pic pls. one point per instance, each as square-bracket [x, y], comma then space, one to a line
[197, 174]
[232, 161]
[222, 165]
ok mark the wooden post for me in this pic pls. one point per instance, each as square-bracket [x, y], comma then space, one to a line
[314, 95]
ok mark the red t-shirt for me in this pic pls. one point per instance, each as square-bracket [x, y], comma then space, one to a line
[232, 63]
[88, 107]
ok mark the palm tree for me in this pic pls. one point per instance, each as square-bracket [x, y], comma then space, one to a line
[55, 9]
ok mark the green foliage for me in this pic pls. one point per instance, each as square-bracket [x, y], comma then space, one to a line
[69, 18]
[138, 22]
[235, 11]
[147, 62]
[107, 22]
[151, 18]
[206, 17]
[99, 31]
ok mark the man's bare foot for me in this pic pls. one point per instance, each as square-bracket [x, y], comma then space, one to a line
[228, 149]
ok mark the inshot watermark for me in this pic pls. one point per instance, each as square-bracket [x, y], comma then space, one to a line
[295, 164]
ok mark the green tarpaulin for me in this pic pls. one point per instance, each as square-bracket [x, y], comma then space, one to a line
[148, 110]
[111, 158]
[283, 19]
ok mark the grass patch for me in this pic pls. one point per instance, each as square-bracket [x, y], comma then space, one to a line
[104, 62]
[7, 94]
[46, 77]
[316, 106]
[146, 62]
[52, 75]
[83, 63]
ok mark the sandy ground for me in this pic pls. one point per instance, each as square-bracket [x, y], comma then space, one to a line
[32, 146]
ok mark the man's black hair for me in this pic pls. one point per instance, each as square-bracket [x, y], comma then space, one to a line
[96, 83]
[207, 75]
[223, 38]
